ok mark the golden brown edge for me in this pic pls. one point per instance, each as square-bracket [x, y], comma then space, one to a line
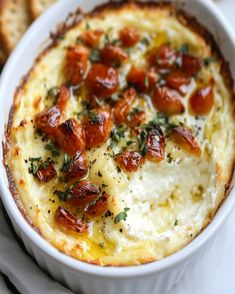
[76, 17]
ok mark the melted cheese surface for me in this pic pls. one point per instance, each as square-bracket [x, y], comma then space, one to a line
[169, 202]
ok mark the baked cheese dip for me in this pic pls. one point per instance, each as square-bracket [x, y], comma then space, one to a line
[120, 144]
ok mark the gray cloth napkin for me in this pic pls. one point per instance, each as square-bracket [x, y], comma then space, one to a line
[21, 270]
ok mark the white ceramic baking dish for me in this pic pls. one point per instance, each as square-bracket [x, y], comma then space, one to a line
[156, 277]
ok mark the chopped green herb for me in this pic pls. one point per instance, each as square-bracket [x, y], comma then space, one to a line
[53, 149]
[79, 40]
[88, 26]
[99, 102]
[176, 222]
[66, 163]
[145, 41]
[209, 60]
[121, 216]
[118, 133]
[53, 94]
[184, 49]
[64, 195]
[62, 37]
[128, 143]
[95, 55]
[35, 163]
[142, 141]
[93, 117]
[116, 42]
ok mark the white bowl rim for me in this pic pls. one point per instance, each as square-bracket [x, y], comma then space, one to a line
[80, 266]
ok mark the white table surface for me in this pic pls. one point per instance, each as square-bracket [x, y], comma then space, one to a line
[215, 273]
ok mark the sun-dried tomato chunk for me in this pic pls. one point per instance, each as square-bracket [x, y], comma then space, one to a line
[176, 79]
[185, 139]
[130, 161]
[123, 111]
[102, 80]
[123, 106]
[46, 172]
[155, 143]
[68, 221]
[76, 63]
[190, 64]
[129, 36]
[142, 80]
[70, 136]
[91, 38]
[167, 101]
[78, 167]
[48, 120]
[82, 194]
[97, 126]
[163, 57]
[99, 206]
[63, 99]
[202, 100]
[113, 55]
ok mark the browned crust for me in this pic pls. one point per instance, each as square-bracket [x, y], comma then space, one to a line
[72, 20]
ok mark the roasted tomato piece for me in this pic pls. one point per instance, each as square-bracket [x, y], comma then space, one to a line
[202, 100]
[70, 136]
[102, 80]
[82, 194]
[185, 139]
[163, 57]
[129, 36]
[142, 80]
[155, 143]
[91, 38]
[113, 55]
[135, 118]
[68, 221]
[48, 120]
[167, 101]
[191, 65]
[78, 167]
[176, 79]
[99, 206]
[123, 106]
[130, 161]
[76, 64]
[63, 98]
[97, 126]
[46, 172]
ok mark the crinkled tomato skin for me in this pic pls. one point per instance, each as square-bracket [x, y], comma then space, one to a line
[48, 120]
[130, 161]
[155, 143]
[46, 173]
[70, 136]
[113, 55]
[129, 36]
[91, 38]
[176, 79]
[98, 130]
[68, 221]
[190, 64]
[64, 98]
[185, 139]
[76, 64]
[167, 101]
[163, 57]
[123, 106]
[78, 168]
[99, 207]
[82, 194]
[102, 80]
[202, 101]
[142, 80]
